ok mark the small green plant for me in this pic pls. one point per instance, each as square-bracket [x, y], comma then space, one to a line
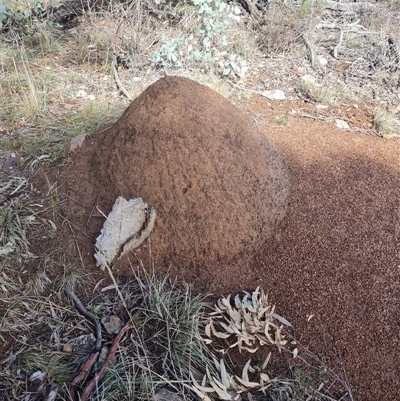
[94, 115]
[214, 15]
[172, 320]
[75, 277]
[282, 120]
[8, 287]
[39, 282]
[245, 95]
[245, 45]
[171, 51]
[42, 40]
[95, 309]
[47, 144]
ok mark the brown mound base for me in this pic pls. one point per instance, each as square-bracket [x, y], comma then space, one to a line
[335, 274]
[218, 186]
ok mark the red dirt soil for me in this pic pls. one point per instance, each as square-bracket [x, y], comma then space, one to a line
[335, 273]
[338, 259]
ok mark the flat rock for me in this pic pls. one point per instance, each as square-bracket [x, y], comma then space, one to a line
[10, 165]
[76, 143]
[274, 95]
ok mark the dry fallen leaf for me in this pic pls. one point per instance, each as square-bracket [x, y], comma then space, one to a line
[252, 320]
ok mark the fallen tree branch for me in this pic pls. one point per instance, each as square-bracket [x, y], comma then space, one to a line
[356, 7]
[344, 28]
[353, 27]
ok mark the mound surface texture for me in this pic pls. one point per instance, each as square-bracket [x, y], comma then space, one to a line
[218, 185]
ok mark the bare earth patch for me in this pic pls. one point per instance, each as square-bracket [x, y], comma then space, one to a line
[334, 273]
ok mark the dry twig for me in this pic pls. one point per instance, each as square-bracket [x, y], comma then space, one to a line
[80, 374]
[114, 64]
[78, 304]
[109, 361]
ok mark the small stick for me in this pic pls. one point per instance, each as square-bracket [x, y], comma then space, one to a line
[310, 49]
[117, 80]
[335, 50]
[78, 304]
[81, 375]
[92, 384]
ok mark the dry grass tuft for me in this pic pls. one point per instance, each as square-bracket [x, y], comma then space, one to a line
[13, 228]
[385, 123]
[284, 25]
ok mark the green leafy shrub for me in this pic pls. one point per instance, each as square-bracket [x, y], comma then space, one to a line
[207, 41]
[18, 10]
